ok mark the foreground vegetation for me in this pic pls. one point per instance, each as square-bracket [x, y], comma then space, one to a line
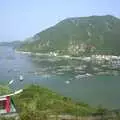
[36, 102]
[4, 90]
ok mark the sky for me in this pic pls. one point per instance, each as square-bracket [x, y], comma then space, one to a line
[21, 19]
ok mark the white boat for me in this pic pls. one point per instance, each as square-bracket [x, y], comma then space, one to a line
[83, 76]
[87, 74]
[11, 82]
[67, 82]
[21, 78]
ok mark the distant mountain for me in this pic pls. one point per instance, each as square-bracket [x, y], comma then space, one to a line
[78, 36]
[14, 44]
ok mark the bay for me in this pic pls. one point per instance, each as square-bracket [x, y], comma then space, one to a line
[52, 72]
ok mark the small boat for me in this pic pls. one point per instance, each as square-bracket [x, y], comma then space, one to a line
[87, 74]
[10, 70]
[11, 82]
[21, 78]
[83, 76]
[67, 82]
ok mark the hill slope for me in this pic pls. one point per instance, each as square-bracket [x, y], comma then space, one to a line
[4, 90]
[36, 102]
[76, 36]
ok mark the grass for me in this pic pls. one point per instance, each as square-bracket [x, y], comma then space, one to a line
[37, 102]
[4, 89]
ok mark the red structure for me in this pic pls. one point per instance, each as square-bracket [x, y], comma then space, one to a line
[5, 104]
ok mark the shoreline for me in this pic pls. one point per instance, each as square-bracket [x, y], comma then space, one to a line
[54, 55]
[85, 58]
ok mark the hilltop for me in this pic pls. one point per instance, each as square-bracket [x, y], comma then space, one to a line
[78, 36]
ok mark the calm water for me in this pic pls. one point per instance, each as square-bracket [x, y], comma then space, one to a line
[52, 73]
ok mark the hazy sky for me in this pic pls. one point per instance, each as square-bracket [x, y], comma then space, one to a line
[23, 18]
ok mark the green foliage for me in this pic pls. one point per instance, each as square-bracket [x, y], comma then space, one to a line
[33, 115]
[7, 118]
[4, 90]
[38, 103]
[75, 36]
[100, 109]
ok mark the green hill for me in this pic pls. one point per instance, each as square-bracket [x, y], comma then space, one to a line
[78, 36]
[37, 102]
[4, 90]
